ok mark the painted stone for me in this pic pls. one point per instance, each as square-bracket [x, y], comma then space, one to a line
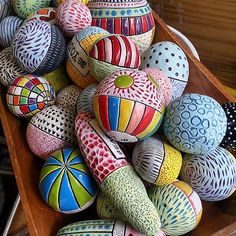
[212, 176]
[5, 9]
[72, 16]
[58, 78]
[9, 69]
[102, 228]
[38, 47]
[2, 196]
[169, 58]
[156, 161]
[129, 105]
[229, 140]
[85, 99]
[25, 7]
[8, 28]
[179, 207]
[56, 3]
[77, 55]
[195, 123]
[130, 18]
[28, 95]
[163, 81]
[115, 176]
[113, 53]
[68, 97]
[50, 130]
[45, 14]
[65, 183]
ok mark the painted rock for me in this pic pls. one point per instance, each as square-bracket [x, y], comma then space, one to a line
[5, 9]
[38, 47]
[2, 196]
[72, 16]
[8, 28]
[45, 14]
[130, 18]
[179, 207]
[28, 95]
[195, 123]
[50, 130]
[56, 3]
[129, 105]
[102, 228]
[25, 7]
[171, 59]
[212, 176]
[85, 99]
[156, 160]
[77, 55]
[113, 53]
[229, 140]
[9, 69]
[58, 78]
[163, 81]
[66, 184]
[68, 97]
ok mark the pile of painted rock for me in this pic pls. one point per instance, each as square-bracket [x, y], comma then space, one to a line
[106, 112]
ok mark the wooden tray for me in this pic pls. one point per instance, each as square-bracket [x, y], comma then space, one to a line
[44, 221]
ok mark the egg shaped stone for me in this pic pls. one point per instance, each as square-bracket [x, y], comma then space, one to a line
[130, 18]
[8, 28]
[28, 95]
[38, 47]
[72, 16]
[85, 99]
[129, 105]
[56, 3]
[156, 161]
[77, 55]
[66, 183]
[58, 78]
[102, 228]
[229, 140]
[5, 9]
[51, 129]
[9, 69]
[2, 196]
[25, 7]
[195, 123]
[163, 82]
[113, 53]
[171, 59]
[178, 205]
[68, 97]
[45, 14]
[212, 176]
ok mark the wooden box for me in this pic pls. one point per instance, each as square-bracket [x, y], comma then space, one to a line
[41, 219]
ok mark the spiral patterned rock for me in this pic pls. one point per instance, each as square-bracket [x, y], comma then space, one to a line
[129, 105]
[38, 47]
[113, 53]
[195, 123]
[212, 176]
[25, 7]
[9, 69]
[50, 130]
[8, 28]
[179, 207]
[85, 99]
[66, 183]
[5, 9]
[28, 95]
[72, 16]
[229, 140]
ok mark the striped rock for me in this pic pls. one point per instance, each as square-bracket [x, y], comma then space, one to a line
[5, 9]
[8, 28]
[129, 105]
[112, 53]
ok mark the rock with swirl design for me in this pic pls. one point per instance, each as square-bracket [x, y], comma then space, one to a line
[65, 183]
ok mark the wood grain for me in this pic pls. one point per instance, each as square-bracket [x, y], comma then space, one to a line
[42, 220]
[211, 26]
